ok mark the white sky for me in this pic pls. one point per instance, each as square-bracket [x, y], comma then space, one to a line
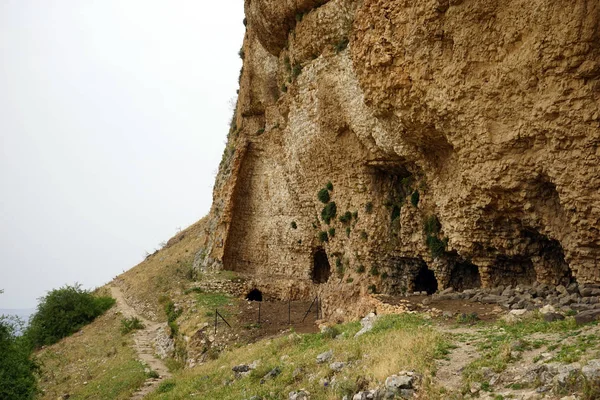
[113, 118]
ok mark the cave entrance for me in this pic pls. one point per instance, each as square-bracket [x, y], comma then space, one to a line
[465, 276]
[254, 295]
[321, 268]
[425, 281]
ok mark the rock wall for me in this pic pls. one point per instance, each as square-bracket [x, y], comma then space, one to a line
[460, 137]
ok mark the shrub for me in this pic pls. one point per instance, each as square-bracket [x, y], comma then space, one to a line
[63, 312]
[260, 131]
[17, 369]
[436, 246]
[294, 225]
[414, 198]
[374, 271]
[369, 207]
[339, 268]
[363, 235]
[329, 186]
[395, 212]
[384, 275]
[346, 217]
[348, 230]
[130, 324]
[323, 196]
[432, 225]
[341, 45]
[152, 374]
[372, 289]
[329, 212]
[331, 232]
[355, 215]
[350, 280]
[360, 269]
[296, 70]
[166, 387]
[323, 237]
[172, 314]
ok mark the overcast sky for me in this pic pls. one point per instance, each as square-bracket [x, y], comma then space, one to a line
[113, 118]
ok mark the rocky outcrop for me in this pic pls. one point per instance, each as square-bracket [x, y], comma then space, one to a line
[460, 137]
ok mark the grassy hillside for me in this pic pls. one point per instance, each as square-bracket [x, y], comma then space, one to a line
[166, 271]
[95, 363]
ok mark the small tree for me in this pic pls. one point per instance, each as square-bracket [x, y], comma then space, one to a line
[63, 312]
[17, 369]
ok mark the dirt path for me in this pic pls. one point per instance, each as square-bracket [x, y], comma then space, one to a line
[144, 338]
[449, 372]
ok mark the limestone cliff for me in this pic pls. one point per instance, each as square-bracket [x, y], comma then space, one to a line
[461, 139]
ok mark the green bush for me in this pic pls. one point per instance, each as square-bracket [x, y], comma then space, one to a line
[294, 225]
[355, 215]
[130, 324]
[348, 230]
[374, 271]
[172, 314]
[369, 207]
[395, 212]
[341, 45]
[364, 235]
[296, 70]
[166, 387]
[323, 196]
[414, 198]
[331, 232]
[63, 312]
[323, 237]
[329, 212]
[346, 217]
[329, 186]
[436, 246]
[432, 225]
[17, 369]
[360, 269]
[339, 268]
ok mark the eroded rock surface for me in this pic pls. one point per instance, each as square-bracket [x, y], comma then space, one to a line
[461, 139]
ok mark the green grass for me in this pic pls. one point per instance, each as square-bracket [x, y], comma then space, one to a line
[501, 339]
[105, 386]
[211, 301]
[96, 356]
[416, 346]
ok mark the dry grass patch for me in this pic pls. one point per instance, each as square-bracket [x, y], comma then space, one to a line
[398, 342]
[94, 363]
[166, 271]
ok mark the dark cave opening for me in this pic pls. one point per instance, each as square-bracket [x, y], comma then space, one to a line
[465, 275]
[321, 268]
[254, 295]
[425, 281]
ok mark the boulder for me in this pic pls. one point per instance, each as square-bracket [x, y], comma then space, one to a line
[299, 395]
[324, 357]
[551, 317]
[592, 370]
[585, 317]
[337, 366]
[367, 324]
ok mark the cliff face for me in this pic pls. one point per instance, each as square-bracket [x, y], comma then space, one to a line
[462, 138]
